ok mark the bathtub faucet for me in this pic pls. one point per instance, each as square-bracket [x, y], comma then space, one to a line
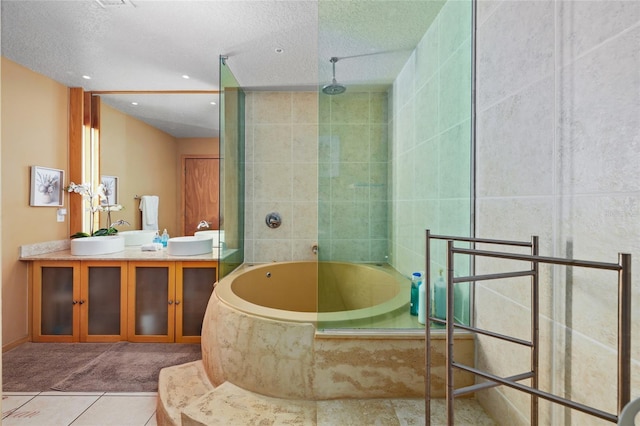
[203, 225]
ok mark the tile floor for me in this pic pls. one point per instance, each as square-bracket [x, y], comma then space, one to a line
[139, 409]
[78, 409]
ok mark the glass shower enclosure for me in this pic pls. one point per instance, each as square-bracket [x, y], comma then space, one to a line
[395, 158]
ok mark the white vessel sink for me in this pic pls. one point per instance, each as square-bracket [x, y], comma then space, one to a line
[189, 246]
[137, 237]
[93, 246]
[216, 237]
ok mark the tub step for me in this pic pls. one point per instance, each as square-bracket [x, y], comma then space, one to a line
[229, 404]
[179, 386]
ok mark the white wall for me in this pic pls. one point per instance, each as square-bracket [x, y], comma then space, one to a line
[558, 155]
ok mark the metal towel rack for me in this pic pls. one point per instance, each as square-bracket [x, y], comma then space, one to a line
[623, 268]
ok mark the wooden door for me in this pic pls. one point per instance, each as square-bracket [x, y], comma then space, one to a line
[200, 192]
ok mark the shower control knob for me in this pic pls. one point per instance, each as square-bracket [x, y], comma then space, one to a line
[273, 220]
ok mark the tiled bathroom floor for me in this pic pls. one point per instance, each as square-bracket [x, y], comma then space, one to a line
[78, 409]
[138, 409]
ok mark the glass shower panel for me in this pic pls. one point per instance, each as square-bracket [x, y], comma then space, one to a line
[394, 160]
[232, 166]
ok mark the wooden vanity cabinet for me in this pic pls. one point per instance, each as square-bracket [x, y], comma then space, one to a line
[167, 300]
[79, 301]
[109, 301]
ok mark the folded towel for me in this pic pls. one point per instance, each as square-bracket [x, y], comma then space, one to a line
[149, 208]
[151, 247]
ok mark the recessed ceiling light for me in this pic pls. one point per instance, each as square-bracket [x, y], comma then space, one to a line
[134, 103]
[212, 103]
[186, 77]
[86, 77]
[279, 50]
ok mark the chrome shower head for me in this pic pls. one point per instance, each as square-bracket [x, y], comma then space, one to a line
[334, 88]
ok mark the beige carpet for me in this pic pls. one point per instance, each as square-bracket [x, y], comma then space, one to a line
[91, 367]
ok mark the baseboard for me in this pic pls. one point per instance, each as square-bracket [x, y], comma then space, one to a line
[17, 343]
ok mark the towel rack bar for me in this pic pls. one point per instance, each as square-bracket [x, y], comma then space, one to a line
[493, 276]
[542, 394]
[491, 384]
[542, 259]
[481, 240]
[494, 334]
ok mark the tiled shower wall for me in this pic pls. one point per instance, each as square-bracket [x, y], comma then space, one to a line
[431, 140]
[353, 187]
[281, 175]
[558, 139]
[286, 149]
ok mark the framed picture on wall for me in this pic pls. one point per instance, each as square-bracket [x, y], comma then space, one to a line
[110, 184]
[46, 187]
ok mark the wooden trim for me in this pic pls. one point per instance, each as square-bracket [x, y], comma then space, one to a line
[15, 344]
[76, 136]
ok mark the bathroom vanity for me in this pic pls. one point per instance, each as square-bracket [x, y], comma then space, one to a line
[131, 295]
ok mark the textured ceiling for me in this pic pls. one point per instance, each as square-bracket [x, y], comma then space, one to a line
[148, 45]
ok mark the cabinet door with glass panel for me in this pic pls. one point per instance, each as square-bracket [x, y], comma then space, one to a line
[77, 301]
[194, 285]
[56, 292]
[103, 301]
[151, 290]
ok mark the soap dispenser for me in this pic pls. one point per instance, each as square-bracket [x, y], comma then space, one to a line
[157, 239]
[165, 238]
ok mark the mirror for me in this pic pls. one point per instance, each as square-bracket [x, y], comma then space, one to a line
[163, 144]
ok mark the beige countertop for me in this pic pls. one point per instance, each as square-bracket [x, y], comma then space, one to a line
[129, 254]
[59, 250]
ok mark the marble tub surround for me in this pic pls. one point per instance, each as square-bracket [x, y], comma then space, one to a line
[290, 360]
[181, 402]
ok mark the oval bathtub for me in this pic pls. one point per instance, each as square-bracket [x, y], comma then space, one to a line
[259, 333]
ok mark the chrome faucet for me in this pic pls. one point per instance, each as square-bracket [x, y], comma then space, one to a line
[203, 225]
[120, 223]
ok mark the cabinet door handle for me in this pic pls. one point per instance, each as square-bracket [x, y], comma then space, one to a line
[74, 302]
[177, 302]
[81, 302]
[170, 302]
